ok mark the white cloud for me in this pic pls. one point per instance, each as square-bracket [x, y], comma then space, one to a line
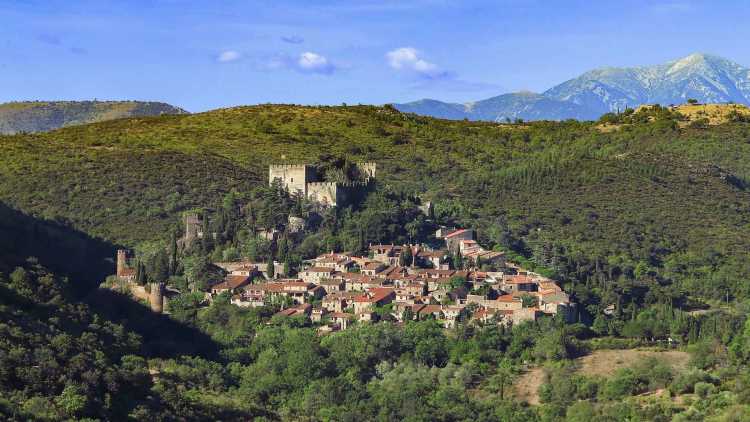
[228, 56]
[309, 62]
[408, 58]
[313, 62]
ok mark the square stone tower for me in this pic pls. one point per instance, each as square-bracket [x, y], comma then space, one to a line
[294, 177]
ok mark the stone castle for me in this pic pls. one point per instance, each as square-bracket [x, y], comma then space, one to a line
[303, 179]
[154, 294]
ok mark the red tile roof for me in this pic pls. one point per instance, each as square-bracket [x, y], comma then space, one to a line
[518, 279]
[457, 232]
[232, 282]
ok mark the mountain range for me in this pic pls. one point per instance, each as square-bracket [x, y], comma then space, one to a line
[40, 116]
[706, 78]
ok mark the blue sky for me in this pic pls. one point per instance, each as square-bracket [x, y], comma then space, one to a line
[202, 55]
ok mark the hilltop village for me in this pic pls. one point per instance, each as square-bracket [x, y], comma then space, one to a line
[452, 279]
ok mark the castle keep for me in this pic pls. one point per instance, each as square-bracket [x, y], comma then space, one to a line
[303, 179]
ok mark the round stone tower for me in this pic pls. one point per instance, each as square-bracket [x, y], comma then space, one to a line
[122, 259]
[156, 297]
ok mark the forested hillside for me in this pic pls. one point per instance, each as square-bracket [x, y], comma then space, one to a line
[666, 201]
[644, 218]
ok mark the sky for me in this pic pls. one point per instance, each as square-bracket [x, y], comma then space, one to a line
[202, 55]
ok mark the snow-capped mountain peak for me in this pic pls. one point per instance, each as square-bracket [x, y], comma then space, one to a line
[704, 77]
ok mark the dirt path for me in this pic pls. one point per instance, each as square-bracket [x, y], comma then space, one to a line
[600, 362]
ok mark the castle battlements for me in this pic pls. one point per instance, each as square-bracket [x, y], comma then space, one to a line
[303, 179]
[288, 166]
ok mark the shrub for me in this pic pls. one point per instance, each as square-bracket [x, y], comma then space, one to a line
[704, 389]
[685, 382]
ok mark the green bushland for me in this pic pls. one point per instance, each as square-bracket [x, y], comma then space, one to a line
[648, 223]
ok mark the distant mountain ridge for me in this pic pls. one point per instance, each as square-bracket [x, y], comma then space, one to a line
[41, 116]
[704, 77]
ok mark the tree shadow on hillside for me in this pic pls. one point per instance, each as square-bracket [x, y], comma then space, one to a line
[162, 336]
[86, 262]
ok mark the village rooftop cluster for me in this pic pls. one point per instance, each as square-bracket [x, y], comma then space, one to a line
[391, 282]
[336, 289]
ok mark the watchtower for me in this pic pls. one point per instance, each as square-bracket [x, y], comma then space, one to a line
[122, 262]
[192, 227]
[156, 297]
[294, 177]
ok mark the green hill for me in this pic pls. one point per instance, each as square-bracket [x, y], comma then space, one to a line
[650, 197]
[650, 216]
[41, 116]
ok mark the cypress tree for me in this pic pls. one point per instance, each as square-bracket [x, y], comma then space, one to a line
[173, 255]
[270, 269]
[140, 273]
[160, 268]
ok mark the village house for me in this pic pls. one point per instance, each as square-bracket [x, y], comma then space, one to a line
[338, 302]
[361, 282]
[443, 231]
[304, 309]
[492, 316]
[518, 283]
[387, 254]
[394, 272]
[317, 314]
[443, 283]
[372, 298]
[244, 300]
[436, 273]
[332, 286]
[246, 270]
[485, 257]
[245, 266]
[316, 274]
[437, 259]
[341, 319]
[451, 314]
[403, 296]
[398, 280]
[372, 268]
[453, 239]
[337, 262]
[297, 290]
[231, 284]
